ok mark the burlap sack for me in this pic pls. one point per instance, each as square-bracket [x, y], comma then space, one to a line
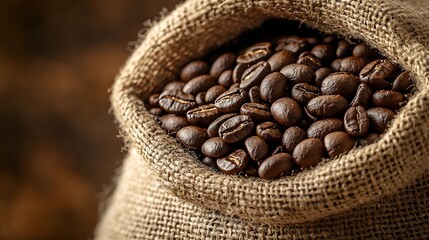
[380, 191]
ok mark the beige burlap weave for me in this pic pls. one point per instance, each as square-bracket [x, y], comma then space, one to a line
[380, 191]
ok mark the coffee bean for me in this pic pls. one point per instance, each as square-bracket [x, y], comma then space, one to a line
[236, 128]
[258, 112]
[368, 139]
[210, 162]
[255, 53]
[273, 87]
[174, 123]
[327, 106]
[292, 137]
[286, 112]
[320, 75]
[313, 40]
[402, 83]
[254, 74]
[222, 63]
[343, 49]
[324, 52]
[234, 86]
[337, 143]
[203, 115]
[280, 60]
[304, 92]
[256, 147]
[308, 153]
[238, 71]
[231, 100]
[330, 39]
[269, 131]
[294, 44]
[379, 118]
[387, 98]
[364, 51]
[225, 79]
[309, 60]
[194, 69]
[251, 170]
[275, 166]
[336, 65]
[213, 93]
[200, 99]
[174, 85]
[377, 73]
[344, 84]
[356, 121]
[156, 111]
[199, 84]
[192, 137]
[175, 101]
[154, 100]
[298, 73]
[323, 127]
[215, 147]
[213, 128]
[276, 150]
[363, 94]
[255, 95]
[353, 64]
[234, 162]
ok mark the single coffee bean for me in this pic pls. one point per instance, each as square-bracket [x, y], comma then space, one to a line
[231, 100]
[323, 127]
[286, 112]
[254, 74]
[320, 75]
[166, 116]
[200, 99]
[213, 128]
[342, 83]
[327, 106]
[213, 93]
[192, 137]
[210, 162]
[330, 39]
[203, 115]
[298, 73]
[336, 65]
[256, 147]
[304, 92]
[174, 85]
[343, 49]
[222, 63]
[258, 112]
[324, 52]
[255, 53]
[292, 137]
[174, 123]
[309, 60]
[280, 60]
[313, 40]
[251, 170]
[402, 83]
[368, 139]
[294, 44]
[234, 162]
[337, 143]
[273, 87]
[364, 51]
[255, 95]
[156, 111]
[269, 131]
[377, 73]
[176, 101]
[225, 79]
[379, 118]
[308, 153]
[275, 166]
[363, 94]
[238, 71]
[194, 69]
[154, 100]
[234, 86]
[199, 84]
[356, 121]
[215, 147]
[353, 64]
[236, 128]
[387, 98]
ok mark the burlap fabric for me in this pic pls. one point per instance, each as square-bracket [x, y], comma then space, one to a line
[380, 191]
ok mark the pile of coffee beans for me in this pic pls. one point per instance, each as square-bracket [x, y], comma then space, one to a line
[283, 104]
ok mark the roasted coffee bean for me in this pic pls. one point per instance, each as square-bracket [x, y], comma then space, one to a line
[327, 106]
[174, 123]
[231, 100]
[210, 162]
[255, 95]
[402, 83]
[199, 84]
[175, 101]
[234, 86]
[194, 69]
[273, 87]
[251, 170]
[362, 97]
[298, 73]
[364, 51]
[330, 39]
[213, 128]
[313, 40]
[324, 52]
[200, 99]
[174, 85]
[166, 116]
[280, 60]
[269, 131]
[203, 115]
[323, 127]
[387, 98]
[238, 71]
[368, 139]
[286, 112]
[234, 162]
[258, 112]
[343, 49]
[353, 64]
[254, 74]
[256, 147]
[377, 73]
[236, 128]
[294, 44]
[292, 137]
[213, 93]
[304, 92]
[276, 150]
[275, 166]
[356, 121]
[224, 62]
[215, 147]
[225, 79]
[309, 152]
[309, 60]
[255, 53]
[192, 137]
[336, 65]
[154, 100]
[379, 118]
[320, 75]
[337, 143]
[156, 111]
[342, 83]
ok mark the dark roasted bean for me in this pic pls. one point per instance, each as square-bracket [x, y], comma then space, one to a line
[275, 166]
[175, 101]
[308, 153]
[291, 43]
[156, 111]
[154, 100]
[362, 97]
[402, 83]
[336, 65]
[320, 75]
[254, 74]
[210, 162]
[174, 123]
[309, 60]
[256, 147]
[213, 128]
[276, 150]
[324, 52]
[213, 93]
[356, 121]
[258, 112]
[255, 95]
[192, 137]
[291, 137]
[231, 100]
[286, 112]
[234, 86]
[365, 51]
[377, 73]
[236, 128]
[269, 131]
[379, 118]
[343, 49]
[337, 143]
[238, 71]
[251, 170]
[327, 106]
[194, 69]
[273, 87]
[215, 147]
[310, 116]
[304, 92]
[368, 139]
[222, 63]
[344, 84]
[255, 53]
[234, 162]
[199, 84]
[353, 64]
[387, 98]
[298, 73]
[200, 99]
[323, 127]
[225, 79]
[203, 115]
[280, 60]
[174, 85]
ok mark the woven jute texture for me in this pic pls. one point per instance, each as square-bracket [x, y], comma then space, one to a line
[379, 191]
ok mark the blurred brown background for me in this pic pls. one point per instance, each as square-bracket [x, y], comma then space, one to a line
[58, 145]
